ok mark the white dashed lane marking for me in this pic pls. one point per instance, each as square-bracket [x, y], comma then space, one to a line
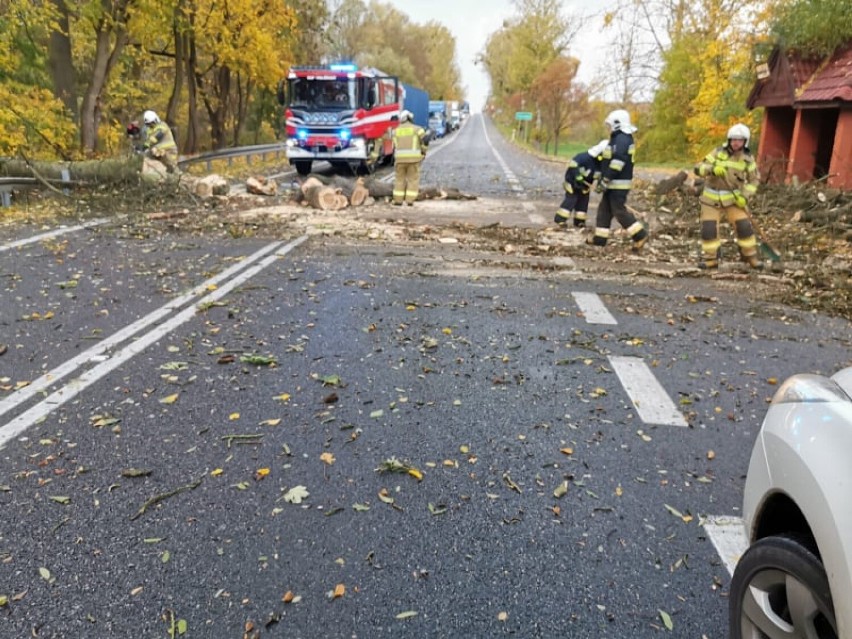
[647, 394]
[729, 537]
[593, 308]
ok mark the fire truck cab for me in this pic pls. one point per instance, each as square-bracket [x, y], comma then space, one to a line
[340, 114]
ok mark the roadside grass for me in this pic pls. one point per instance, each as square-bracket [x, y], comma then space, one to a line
[569, 148]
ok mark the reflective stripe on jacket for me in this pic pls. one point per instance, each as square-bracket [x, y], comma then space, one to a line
[408, 143]
[617, 167]
[583, 170]
[160, 136]
[741, 176]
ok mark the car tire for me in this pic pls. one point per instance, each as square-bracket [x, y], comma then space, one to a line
[773, 575]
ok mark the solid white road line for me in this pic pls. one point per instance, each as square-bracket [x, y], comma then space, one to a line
[593, 308]
[728, 535]
[513, 181]
[648, 396]
[38, 412]
[51, 234]
[96, 352]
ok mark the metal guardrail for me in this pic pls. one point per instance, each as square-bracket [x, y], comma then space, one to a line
[236, 152]
[9, 184]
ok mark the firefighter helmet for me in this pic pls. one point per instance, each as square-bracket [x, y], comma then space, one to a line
[739, 132]
[619, 120]
[597, 150]
[405, 116]
[149, 118]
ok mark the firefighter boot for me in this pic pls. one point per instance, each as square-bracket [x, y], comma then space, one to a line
[752, 261]
[710, 262]
[561, 218]
[639, 234]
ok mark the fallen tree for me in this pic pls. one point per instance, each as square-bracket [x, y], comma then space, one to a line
[106, 171]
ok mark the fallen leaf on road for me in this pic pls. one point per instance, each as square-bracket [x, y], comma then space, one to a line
[667, 620]
[328, 458]
[296, 494]
[169, 399]
[258, 360]
[407, 614]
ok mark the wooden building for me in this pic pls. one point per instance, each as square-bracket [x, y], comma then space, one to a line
[807, 123]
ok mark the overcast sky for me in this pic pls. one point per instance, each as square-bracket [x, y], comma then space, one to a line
[472, 21]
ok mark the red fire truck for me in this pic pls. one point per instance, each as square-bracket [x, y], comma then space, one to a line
[340, 114]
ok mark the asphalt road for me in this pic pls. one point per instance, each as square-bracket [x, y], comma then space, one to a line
[409, 439]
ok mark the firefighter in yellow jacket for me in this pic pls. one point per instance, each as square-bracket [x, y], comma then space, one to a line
[731, 178]
[159, 141]
[409, 144]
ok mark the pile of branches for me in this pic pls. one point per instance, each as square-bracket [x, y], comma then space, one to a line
[809, 225]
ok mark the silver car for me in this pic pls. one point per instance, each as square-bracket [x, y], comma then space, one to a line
[795, 579]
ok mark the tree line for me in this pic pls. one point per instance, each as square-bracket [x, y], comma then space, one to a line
[683, 68]
[73, 73]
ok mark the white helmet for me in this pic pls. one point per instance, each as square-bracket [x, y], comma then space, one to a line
[739, 132]
[406, 116]
[619, 120]
[149, 117]
[598, 148]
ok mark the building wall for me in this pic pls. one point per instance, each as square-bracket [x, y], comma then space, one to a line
[840, 171]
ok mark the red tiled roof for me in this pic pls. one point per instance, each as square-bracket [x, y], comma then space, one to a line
[833, 81]
[789, 70]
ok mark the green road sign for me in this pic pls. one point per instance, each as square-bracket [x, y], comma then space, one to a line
[523, 115]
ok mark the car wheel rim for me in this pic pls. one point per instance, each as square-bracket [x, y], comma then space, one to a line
[776, 605]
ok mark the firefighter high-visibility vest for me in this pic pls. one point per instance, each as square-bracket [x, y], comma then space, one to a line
[741, 176]
[160, 136]
[408, 143]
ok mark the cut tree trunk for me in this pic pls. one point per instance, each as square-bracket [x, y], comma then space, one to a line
[355, 190]
[379, 189]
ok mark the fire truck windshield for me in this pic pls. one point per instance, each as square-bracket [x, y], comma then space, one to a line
[320, 93]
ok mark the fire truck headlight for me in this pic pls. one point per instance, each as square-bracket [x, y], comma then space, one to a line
[291, 143]
[358, 143]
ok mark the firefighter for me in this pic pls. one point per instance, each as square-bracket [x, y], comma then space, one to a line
[409, 145]
[615, 181]
[731, 178]
[159, 141]
[583, 169]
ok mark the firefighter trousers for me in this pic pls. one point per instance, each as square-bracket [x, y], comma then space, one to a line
[739, 220]
[406, 183]
[614, 204]
[576, 202]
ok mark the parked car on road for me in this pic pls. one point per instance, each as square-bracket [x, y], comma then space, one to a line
[795, 579]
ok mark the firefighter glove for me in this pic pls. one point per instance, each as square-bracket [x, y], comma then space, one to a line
[739, 200]
[602, 185]
[720, 170]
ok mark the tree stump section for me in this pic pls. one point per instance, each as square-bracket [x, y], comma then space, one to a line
[320, 196]
[670, 184]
